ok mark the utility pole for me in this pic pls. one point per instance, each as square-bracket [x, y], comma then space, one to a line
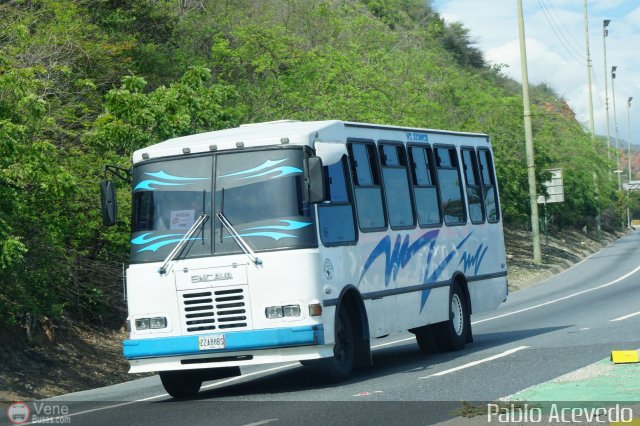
[629, 159]
[629, 138]
[586, 41]
[528, 134]
[615, 125]
[605, 33]
[591, 121]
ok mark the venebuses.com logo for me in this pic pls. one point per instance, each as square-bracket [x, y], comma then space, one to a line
[39, 412]
[18, 413]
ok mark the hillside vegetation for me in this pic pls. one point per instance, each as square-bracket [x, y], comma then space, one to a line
[83, 83]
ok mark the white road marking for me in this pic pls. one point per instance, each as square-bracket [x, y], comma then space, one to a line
[393, 342]
[255, 373]
[626, 316]
[93, 410]
[474, 363]
[263, 422]
[610, 283]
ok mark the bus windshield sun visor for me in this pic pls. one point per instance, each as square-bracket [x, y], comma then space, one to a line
[238, 239]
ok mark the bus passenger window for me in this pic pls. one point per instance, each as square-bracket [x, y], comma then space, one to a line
[367, 189]
[451, 193]
[336, 219]
[474, 191]
[489, 186]
[396, 186]
[424, 186]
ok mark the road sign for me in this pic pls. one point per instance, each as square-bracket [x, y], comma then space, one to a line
[634, 185]
[555, 188]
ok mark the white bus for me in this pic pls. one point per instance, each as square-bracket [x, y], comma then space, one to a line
[302, 241]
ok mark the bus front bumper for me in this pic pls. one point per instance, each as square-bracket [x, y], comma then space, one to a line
[241, 348]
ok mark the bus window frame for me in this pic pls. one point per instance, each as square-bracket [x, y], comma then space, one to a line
[494, 183]
[351, 195]
[381, 144]
[434, 174]
[462, 187]
[374, 168]
[478, 178]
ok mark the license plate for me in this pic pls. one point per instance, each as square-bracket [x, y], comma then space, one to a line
[214, 341]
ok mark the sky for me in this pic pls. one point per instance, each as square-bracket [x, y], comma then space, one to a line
[556, 53]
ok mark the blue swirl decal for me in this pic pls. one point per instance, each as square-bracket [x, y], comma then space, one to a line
[142, 240]
[399, 257]
[273, 235]
[401, 254]
[474, 260]
[291, 225]
[438, 270]
[267, 230]
[173, 181]
[270, 165]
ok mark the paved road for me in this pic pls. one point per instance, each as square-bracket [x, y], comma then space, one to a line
[572, 320]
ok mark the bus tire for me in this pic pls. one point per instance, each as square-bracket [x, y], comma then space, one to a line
[339, 366]
[426, 339]
[452, 335]
[181, 384]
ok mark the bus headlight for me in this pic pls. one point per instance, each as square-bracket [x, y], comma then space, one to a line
[158, 322]
[291, 310]
[274, 312]
[142, 324]
[154, 323]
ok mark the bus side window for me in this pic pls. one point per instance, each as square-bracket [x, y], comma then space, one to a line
[367, 188]
[396, 186]
[489, 186]
[425, 190]
[336, 219]
[474, 190]
[450, 184]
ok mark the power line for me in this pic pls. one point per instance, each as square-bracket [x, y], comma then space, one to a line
[567, 30]
[571, 50]
[549, 12]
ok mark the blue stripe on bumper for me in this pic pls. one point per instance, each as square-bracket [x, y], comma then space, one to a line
[235, 341]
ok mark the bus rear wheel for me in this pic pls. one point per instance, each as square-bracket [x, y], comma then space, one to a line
[181, 384]
[452, 335]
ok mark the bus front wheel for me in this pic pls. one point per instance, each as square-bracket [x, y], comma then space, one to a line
[181, 384]
[339, 366]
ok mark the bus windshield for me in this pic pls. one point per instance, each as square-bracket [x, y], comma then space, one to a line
[261, 195]
[259, 192]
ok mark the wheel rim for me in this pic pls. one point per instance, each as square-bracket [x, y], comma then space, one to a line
[457, 314]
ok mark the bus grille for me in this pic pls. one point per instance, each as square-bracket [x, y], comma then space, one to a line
[220, 309]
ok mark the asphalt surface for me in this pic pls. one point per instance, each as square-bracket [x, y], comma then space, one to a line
[539, 334]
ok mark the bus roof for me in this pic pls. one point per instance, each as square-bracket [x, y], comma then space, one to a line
[274, 133]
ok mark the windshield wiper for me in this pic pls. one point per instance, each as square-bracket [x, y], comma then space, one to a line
[200, 221]
[238, 239]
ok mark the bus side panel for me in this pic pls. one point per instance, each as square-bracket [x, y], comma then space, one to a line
[486, 295]
[414, 314]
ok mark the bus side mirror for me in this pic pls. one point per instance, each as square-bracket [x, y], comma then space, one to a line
[315, 180]
[108, 203]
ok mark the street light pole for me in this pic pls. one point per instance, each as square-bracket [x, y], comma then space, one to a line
[615, 123]
[605, 33]
[528, 134]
